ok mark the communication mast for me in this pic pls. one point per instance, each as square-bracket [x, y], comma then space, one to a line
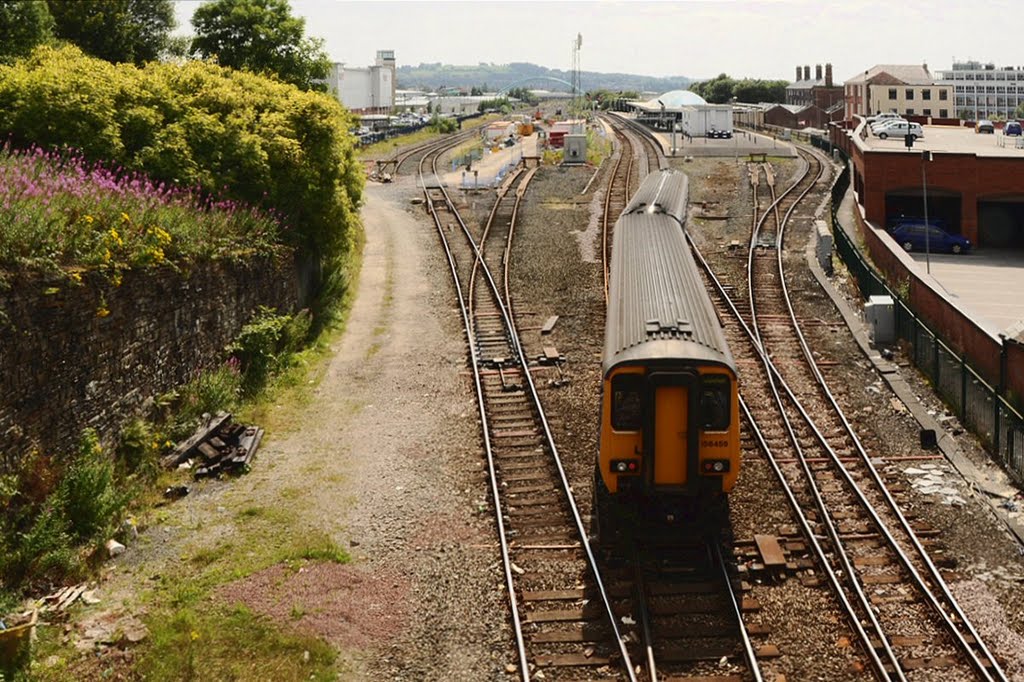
[577, 92]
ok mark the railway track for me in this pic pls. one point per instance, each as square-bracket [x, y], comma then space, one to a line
[674, 593]
[562, 615]
[908, 623]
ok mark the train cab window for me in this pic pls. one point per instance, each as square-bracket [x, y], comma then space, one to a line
[714, 402]
[627, 402]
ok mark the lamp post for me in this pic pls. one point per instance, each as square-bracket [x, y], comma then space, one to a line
[926, 156]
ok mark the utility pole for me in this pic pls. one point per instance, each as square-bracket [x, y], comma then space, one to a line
[926, 156]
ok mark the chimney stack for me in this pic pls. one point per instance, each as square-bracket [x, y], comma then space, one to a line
[817, 72]
[798, 74]
[807, 72]
[828, 75]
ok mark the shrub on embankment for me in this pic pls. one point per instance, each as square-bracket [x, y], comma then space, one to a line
[227, 133]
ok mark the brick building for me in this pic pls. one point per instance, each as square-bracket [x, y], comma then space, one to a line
[819, 91]
[973, 185]
[909, 90]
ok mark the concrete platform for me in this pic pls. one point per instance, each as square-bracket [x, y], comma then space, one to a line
[742, 144]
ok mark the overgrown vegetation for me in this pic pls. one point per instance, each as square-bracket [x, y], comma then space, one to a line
[60, 211]
[57, 511]
[443, 124]
[224, 133]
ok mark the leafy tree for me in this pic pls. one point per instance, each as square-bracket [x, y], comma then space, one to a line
[23, 25]
[260, 36]
[757, 90]
[718, 90]
[135, 31]
[523, 95]
[475, 91]
[1018, 113]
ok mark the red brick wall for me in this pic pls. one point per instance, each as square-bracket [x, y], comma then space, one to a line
[974, 178]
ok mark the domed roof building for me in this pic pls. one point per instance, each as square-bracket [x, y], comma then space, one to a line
[683, 111]
[677, 99]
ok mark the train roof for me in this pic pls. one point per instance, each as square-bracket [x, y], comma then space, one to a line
[658, 306]
[664, 192]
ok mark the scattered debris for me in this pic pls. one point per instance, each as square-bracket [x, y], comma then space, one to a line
[59, 601]
[218, 446]
[176, 492]
[114, 548]
[930, 479]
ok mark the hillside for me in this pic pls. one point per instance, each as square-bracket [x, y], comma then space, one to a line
[500, 76]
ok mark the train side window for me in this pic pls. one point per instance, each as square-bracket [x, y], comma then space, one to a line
[714, 402]
[627, 402]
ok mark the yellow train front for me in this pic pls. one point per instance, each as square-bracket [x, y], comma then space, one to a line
[669, 444]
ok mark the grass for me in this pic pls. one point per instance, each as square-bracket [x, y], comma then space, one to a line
[231, 643]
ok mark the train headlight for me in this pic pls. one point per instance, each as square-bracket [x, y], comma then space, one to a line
[625, 466]
[716, 466]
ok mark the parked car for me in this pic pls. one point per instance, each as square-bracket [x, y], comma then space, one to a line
[1013, 128]
[985, 126]
[919, 236]
[882, 116]
[900, 129]
[715, 134]
[875, 127]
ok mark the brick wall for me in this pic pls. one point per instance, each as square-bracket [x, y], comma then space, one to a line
[63, 367]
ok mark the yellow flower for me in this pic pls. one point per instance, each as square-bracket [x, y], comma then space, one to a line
[88, 219]
[125, 218]
[162, 236]
[102, 311]
[106, 255]
[116, 279]
[115, 237]
[76, 277]
[194, 635]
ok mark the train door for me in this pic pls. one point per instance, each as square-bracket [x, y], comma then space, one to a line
[674, 449]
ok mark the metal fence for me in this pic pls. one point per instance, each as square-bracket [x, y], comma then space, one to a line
[979, 405]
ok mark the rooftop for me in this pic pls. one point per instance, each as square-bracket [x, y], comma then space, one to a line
[910, 74]
[953, 140]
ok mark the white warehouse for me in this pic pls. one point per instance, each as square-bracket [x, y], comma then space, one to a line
[368, 90]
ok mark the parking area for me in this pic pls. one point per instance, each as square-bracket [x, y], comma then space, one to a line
[955, 140]
[988, 284]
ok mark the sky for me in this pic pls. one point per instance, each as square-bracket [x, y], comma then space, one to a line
[765, 39]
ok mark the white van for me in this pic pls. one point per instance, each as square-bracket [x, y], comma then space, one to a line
[900, 129]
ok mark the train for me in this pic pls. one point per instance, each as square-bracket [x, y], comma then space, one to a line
[669, 442]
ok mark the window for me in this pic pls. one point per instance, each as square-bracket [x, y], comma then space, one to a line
[926, 94]
[943, 113]
[715, 399]
[943, 95]
[926, 112]
[910, 112]
[892, 93]
[627, 402]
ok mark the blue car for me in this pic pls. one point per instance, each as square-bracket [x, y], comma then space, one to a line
[1012, 128]
[915, 236]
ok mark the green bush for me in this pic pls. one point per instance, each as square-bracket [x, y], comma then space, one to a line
[87, 496]
[197, 125]
[263, 343]
[211, 391]
[39, 541]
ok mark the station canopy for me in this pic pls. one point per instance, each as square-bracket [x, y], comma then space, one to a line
[673, 99]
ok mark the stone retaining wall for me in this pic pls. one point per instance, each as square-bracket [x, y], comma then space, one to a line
[89, 355]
